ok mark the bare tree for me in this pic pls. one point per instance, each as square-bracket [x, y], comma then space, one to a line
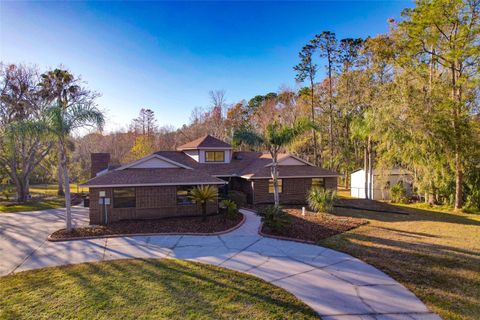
[22, 130]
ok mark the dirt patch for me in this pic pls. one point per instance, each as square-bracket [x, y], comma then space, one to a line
[214, 224]
[314, 227]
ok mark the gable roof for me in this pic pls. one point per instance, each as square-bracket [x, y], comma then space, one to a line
[286, 156]
[133, 164]
[204, 142]
[260, 169]
[238, 162]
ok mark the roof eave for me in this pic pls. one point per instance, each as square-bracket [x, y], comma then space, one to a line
[151, 184]
[293, 177]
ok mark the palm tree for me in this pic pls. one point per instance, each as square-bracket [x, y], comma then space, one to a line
[275, 138]
[61, 87]
[62, 122]
[203, 194]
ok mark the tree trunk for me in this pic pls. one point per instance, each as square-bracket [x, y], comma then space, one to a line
[456, 99]
[274, 173]
[68, 200]
[204, 211]
[60, 191]
[365, 168]
[330, 104]
[22, 191]
[458, 182]
[347, 179]
[315, 152]
[370, 168]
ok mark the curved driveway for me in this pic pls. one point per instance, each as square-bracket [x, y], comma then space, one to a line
[334, 284]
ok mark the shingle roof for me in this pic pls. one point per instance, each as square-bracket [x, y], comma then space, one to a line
[170, 176]
[251, 165]
[206, 141]
[260, 169]
[240, 160]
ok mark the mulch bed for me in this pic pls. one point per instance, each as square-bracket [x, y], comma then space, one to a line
[314, 227]
[216, 223]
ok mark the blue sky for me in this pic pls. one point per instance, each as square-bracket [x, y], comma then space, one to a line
[167, 56]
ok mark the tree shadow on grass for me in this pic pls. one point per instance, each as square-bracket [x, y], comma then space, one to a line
[411, 214]
[441, 275]
[170, 288]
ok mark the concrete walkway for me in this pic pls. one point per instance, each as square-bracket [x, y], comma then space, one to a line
[332, 283]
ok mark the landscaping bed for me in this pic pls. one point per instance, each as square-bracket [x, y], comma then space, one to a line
[313, 227]
[213, 224]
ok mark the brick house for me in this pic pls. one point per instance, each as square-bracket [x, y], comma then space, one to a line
[158, 185]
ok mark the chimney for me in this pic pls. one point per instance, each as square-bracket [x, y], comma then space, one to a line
[99, 162]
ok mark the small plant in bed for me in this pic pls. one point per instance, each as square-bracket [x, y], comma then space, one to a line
[274, 218]
[321, 200]
[311, 227]
[231, 209]
[203, 194]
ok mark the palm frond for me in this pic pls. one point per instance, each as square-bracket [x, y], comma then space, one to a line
[248, 137]
[84, 115]
[204, 193]
[63, 121]
[285, 134]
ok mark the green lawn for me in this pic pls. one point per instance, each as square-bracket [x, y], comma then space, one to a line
[43, 204]
[51, 189]
[435, 253]
[146, 289]
[45, 196]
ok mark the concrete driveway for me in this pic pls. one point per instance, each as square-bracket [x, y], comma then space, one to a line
[334, 284]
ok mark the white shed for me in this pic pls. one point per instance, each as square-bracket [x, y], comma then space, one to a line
[381, 182]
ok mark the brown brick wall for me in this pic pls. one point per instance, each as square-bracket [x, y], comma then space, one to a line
[294, 190]
[151, 203]
[99, 162]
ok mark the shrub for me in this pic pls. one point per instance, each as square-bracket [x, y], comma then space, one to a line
[321, 200]
[6, 192]
[238, 197]
[230, 207]
[274, 218]
[473, 199]
[398, 193]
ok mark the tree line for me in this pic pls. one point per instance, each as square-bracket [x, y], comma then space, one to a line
[408, 98]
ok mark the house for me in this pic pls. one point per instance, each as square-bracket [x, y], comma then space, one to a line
[381, 182]
[158, 185]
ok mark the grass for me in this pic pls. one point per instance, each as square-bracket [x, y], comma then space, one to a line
[51, 189]
[44, 197]
[435, 253]
[146, 289]
[34, 205]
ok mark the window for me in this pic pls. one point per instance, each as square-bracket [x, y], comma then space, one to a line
[270, 185]
[214, 156]
[124, 198]
[318, 182]
[183, 195]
